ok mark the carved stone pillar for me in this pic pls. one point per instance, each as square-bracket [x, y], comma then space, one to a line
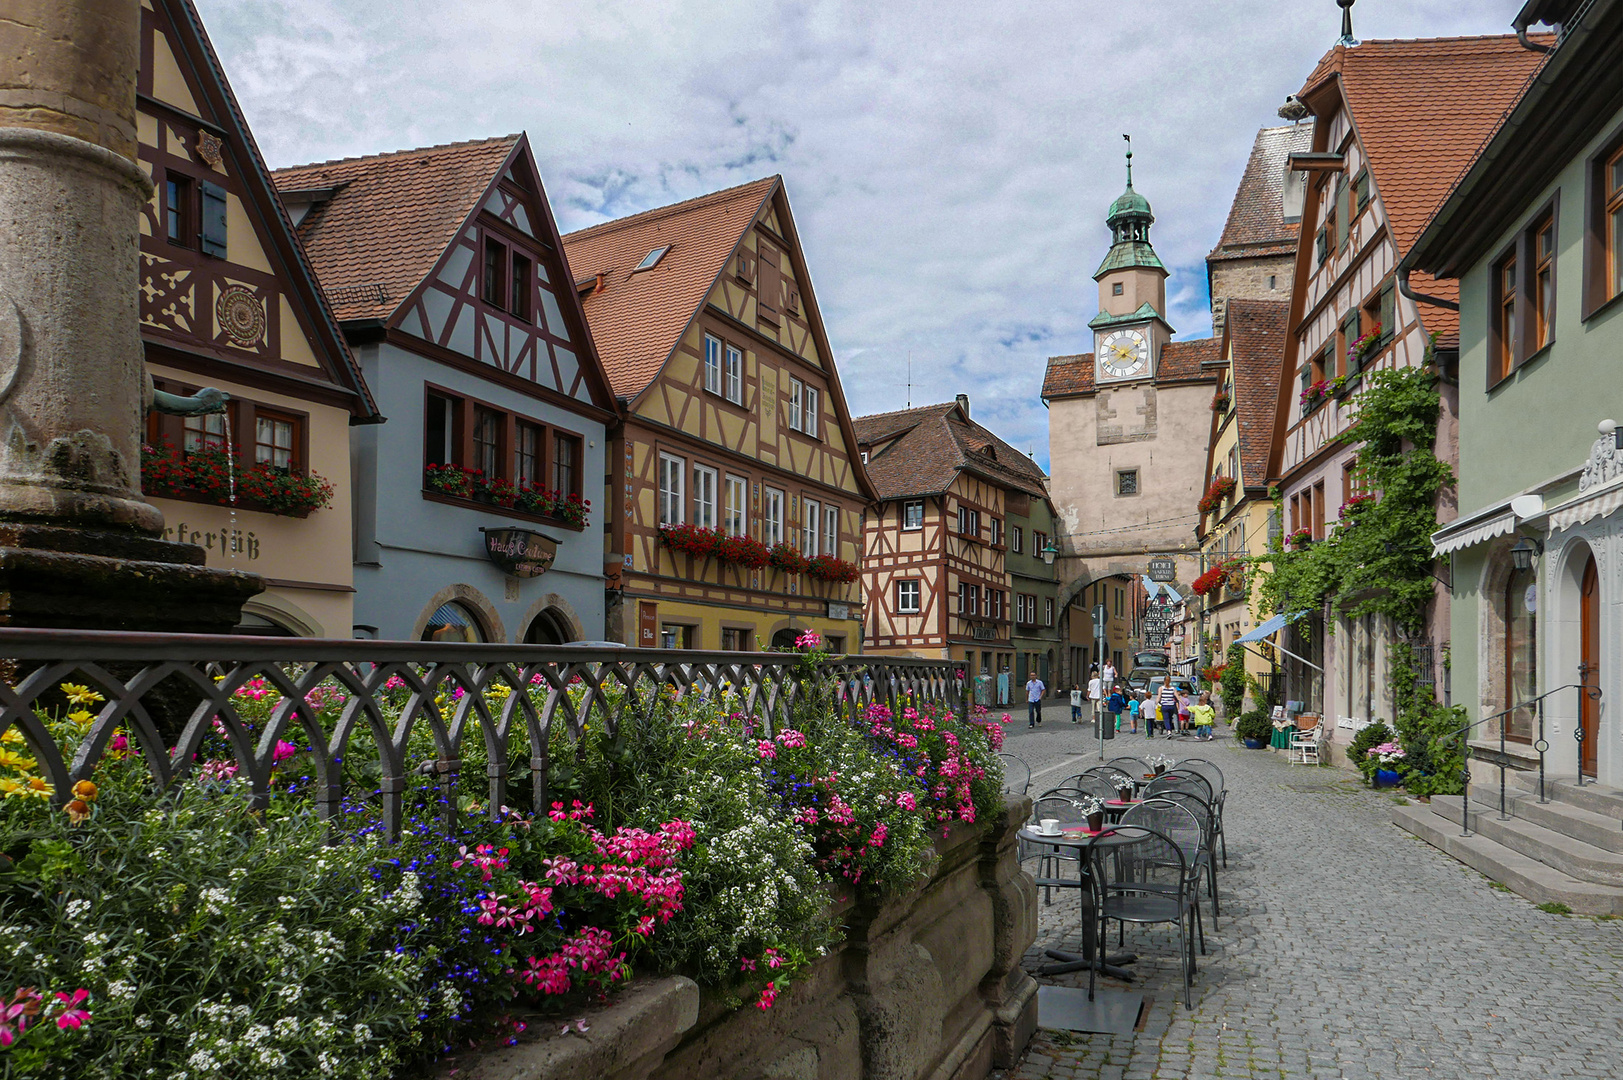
[78, 544]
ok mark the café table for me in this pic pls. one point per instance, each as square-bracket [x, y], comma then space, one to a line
[1092, 844]
[1281, 739]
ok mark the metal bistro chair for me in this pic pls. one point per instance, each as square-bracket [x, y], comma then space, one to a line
[1180, 779]
[1015, 771]
[1204, 862]
[1186, 828]
[1132, 766]
[1050, 858]
[1093, 783]
[1143, 878]
[1214, 776]
[1112, 774]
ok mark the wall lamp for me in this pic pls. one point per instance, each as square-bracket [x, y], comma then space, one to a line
[1527, 549]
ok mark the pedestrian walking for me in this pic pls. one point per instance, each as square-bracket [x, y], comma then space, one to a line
[1132, 713]
[1167, 699]
[1108, 674]
[1034, 700]
[1115, 705]
[1095, 694]
[1202, 715]
[1183, 712]
[1076, 704]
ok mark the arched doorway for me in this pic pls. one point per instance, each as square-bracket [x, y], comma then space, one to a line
[1589, 662]
[785, 638]
[547, 628]
[454, 621]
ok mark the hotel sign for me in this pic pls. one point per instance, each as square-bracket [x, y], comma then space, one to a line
[520, 552]
[1163, 568]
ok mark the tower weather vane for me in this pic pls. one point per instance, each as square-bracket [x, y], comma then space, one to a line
[1129, 139]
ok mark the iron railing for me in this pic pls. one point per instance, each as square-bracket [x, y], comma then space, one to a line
[1541, 746]
[188, 684]
[1425, 664]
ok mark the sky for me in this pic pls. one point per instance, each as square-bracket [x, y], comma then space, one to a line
[948, 164]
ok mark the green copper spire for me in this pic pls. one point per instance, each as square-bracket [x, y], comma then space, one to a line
[1129, 220]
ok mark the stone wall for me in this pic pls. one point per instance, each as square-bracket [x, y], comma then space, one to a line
[925, 987]
[1248, 279]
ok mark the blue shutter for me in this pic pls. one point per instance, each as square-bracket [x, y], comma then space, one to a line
[213, 234]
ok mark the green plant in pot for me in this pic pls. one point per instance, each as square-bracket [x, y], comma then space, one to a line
[1358, 751]
[1254, 728]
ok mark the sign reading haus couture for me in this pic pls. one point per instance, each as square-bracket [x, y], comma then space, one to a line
[520, 552]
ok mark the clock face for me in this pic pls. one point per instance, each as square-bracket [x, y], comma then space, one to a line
[1124, 353]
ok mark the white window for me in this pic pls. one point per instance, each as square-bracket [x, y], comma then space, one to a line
[865, 457]
[797, 391]
[704, 497]
[737, 494]
[1048, 611]
[913, 515]
[997, 530]
[831, 530]
[969, 522]
[907, 597]
[811, 411]
[808, 517]
[771, 516]
[734, 375]
[712, 364]
[671, 502]
[1017, 536]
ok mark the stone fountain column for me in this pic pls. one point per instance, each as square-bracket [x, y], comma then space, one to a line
[79, 546]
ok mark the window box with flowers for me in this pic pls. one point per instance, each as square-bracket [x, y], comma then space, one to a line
[787, 557]
[213, 476]
[1319, 392]
[1351, 509]
[829, 568]
[1365, 346]
[1299, 539]
[1214, 579]
[1220, 401]
[1218, 490]
[694, 540]
[454, 483]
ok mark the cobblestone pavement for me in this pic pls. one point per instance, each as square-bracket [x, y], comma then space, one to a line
[1347, 948]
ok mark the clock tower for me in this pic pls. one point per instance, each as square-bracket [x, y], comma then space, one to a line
[1131, 328]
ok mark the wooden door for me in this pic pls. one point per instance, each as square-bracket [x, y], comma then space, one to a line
[1589, 670]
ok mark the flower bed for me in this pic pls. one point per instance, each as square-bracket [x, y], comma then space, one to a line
[207, 476]
[1219, 489]
[462, 483]
[215, 939]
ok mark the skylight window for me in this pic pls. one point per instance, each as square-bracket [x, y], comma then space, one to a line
[652, 259]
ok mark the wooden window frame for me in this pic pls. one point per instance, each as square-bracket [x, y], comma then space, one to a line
[714, 347]
[772, 524]
[730, 483]
[675, 500]
[918, 596]
[700, 469]
[521, 428]
[811, 524]
[797, 392]
[493, 281]
[578, 477]
[180, 217]
[520, 287]
[1603, 259]
[1541, 284]
[1318, 510]
[1509, 350]
[296, 463]
[1116, 487]
[732, 373]
[1503, 321]
[831, 529]
[907, 505]
[811, 412]
[1017, 536]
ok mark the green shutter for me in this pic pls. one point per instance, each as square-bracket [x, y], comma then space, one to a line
[213, 233]
[1389, 311]
[1343, 215]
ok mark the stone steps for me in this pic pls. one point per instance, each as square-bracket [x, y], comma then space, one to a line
[1604, 801]
[1604, 831]
[1530, 877]
[1572, 856]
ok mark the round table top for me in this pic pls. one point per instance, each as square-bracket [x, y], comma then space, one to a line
[1110, 834]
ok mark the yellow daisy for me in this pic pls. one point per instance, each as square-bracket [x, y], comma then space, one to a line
[81, 695]
[23, 762]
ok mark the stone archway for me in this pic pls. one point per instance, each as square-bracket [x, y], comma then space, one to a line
[490, 622]
[559, 613]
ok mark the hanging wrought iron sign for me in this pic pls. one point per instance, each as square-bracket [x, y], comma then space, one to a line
[520, 552]
[1163, 568]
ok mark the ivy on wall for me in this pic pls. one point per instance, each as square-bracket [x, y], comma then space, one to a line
[1377, 561]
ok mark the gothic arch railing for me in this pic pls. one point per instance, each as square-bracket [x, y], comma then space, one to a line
[166, 694]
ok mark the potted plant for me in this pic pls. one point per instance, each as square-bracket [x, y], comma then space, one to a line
[1299, 539]
[1092, 809]
[692, 539]
[449, 479]
[1367, 739]
[1389, 757]
[1254, 729]
[1365, 346]
[1160, 763]
[1124, 791]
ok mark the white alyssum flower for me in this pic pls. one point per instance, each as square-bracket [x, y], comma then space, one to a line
[215, 900]
[78, 909]
[119, 990]
[286, 1027]
[291, 993]
[362, 1033]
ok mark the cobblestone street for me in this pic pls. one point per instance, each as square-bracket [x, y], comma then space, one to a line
[1348, 949]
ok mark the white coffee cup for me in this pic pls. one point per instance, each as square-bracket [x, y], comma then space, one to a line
[1050, 826]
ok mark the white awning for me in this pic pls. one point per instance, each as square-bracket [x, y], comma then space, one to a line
[1472, 531]
[1270, 627]
[1598, 503]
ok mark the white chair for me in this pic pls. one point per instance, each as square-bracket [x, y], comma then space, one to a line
[1304, 748]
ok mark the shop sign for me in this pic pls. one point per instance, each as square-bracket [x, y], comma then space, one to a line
[521, 552]
[1163, 568]
[837, 610]
[648, 624]
[982, 633]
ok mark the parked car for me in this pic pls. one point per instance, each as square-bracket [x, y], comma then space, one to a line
[1139, 678]
[1153, 658]
[1182, 683]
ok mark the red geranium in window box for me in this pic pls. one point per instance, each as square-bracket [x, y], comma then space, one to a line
[786, 556]
[828, 568]
[745, 551]
[691, 539]
[1218, 490]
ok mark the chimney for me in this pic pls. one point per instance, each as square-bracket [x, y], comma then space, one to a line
[963, 403]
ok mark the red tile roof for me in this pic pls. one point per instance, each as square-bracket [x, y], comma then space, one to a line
[1068, 376]
[932, 444]
[638, 318]
[1256, 224]
[1257, 330]
[1423, 108]
[391, 219]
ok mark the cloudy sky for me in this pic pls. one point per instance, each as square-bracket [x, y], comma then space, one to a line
[949, 163]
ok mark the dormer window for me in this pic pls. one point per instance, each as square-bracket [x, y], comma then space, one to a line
[651, 260]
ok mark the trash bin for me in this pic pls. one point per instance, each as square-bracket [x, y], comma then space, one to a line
[1102, 719]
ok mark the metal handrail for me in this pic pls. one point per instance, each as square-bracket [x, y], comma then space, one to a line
[328, 690]
[1542, 746]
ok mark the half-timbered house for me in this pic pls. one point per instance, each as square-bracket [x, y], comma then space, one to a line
[934, 564]
[228, 300]
[736, 497]
[1380, 109]
[473, 505]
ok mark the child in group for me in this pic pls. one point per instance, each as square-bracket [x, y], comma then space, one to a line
[1076, 704]
[1115, 705]
[1203, 716]
[1132, 713]
[1183, 712]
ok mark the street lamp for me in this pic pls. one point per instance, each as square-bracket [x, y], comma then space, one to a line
[1049, 552]
[1526, 550]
